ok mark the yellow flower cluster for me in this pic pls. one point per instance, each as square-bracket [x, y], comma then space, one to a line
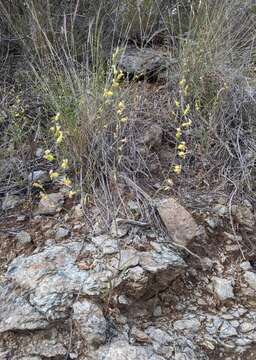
[183, 110]
[118, 76]
[54, 175]
[56, 129]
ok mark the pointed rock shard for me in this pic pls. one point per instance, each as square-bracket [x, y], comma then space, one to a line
[180, 225]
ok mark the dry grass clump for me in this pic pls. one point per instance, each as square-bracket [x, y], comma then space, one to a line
[217, 66]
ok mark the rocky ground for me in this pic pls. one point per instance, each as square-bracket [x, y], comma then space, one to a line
[129, 293]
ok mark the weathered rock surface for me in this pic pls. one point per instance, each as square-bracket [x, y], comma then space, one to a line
[122, 350]
[23, 238]
[244, 216]
[90, 321]
[153, 136]
[223, 288]
[49, 280]
[180, 225]
[61, 233]
[250, 278]
[146, 62]
[10, 202]
[126, 295]
[51, 204]
[18, 314]
[38, 175]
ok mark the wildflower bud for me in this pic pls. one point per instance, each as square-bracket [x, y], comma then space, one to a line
[48, 156]
[64, 164]
[177, 169]
[66, 181]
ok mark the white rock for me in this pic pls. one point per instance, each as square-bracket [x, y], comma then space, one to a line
[61, 233]
[223, 288]
[118, 230]
[247, 326]
[250, 278]
[227, 330]
[187, 324]
[39, 152]
[51, 204]
[157, 311]
[10, 202]
[23, 238]
[91, 322]
[139, 335]
[180, 225]
[245, 266]
[37, 175]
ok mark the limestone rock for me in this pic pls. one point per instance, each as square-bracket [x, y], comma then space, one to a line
[153, 136]
[91, 322]
[139, 335]
[23, 238]
[51, 204]
[118, 230]
[47, 348]
[134, 282]
[187, 324]
[38, 175]
[50, 278]
[61, 233]
[244, 216]
[17, 314]
[106, 244]
[247, 327]
[10, 202]
[250, 278]
[227, 330]
[122, 350]
[180, 225]
[223, 288]
[161, 340]
[144, 63]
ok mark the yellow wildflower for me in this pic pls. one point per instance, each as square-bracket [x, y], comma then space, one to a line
[71, 193]
[60, 137]
[178, 133]
[121, 105]
[115, 54]
[186, 110]
[53, 174]
[114, 69]
[37, 185]
[182, 146]
[185, 91]
[182, 154]
[64, 164]
[108, 93]
[57, 117]
[182, 83]
[115, 84]
[43, 196]
[177, 103]
[177, 169]
[66, 181]
[197, 105]
[120, 76]
[48, 155]
[187, 124]
[124, 119]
